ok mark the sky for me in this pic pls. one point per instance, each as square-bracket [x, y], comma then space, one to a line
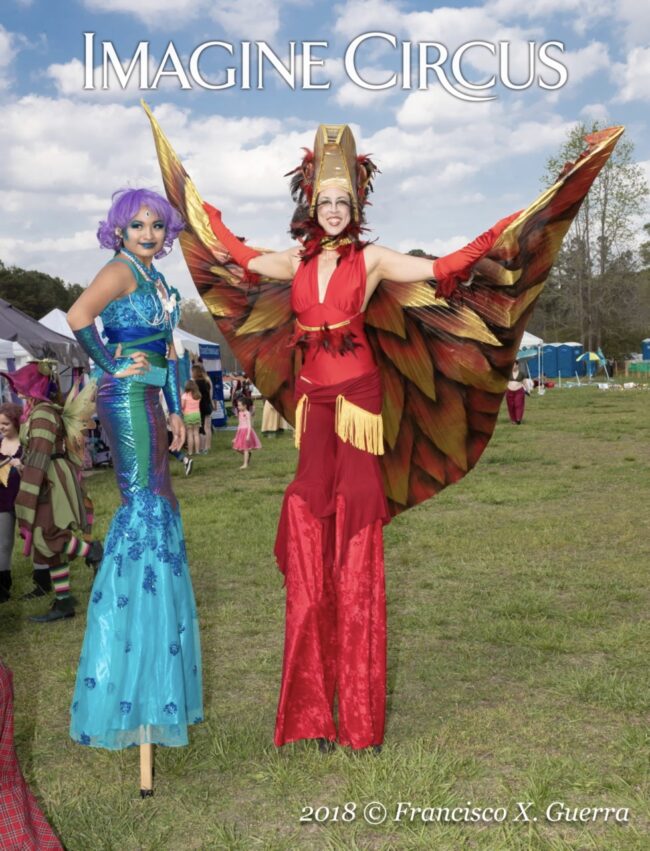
[450, 166]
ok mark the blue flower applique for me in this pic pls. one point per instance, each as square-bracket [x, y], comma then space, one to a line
[149, 583]
[118, 559]
[125, 707]
[174, 648]
[97, 596]
[122, 600]
[127, 647]
[170, 709]
[84, 739]
[136, 550]
[90, 682]
[175, 561]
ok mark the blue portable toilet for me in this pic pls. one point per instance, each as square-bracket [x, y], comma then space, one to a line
[567, 360]
[549, 360]
[645, 348]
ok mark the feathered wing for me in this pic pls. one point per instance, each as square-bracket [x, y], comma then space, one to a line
[445, 366]
[255, 319]
[77, 415]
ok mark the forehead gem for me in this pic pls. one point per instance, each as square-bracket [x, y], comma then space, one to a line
[147, 213]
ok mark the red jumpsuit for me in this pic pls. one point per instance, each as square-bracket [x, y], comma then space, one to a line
[329, 542]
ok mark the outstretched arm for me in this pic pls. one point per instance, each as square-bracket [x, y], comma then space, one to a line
[448, 271]
[281, 265]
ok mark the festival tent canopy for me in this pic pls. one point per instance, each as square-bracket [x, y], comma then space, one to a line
[57, 321]
[184, 341]
[529, 346]
[37, 339]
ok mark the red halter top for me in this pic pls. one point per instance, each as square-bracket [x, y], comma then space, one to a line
[331, 333]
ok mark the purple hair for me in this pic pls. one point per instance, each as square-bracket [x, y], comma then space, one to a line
[126, 203]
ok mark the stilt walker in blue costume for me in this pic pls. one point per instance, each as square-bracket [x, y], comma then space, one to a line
[139, 676]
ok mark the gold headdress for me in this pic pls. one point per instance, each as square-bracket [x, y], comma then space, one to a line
[333, 162]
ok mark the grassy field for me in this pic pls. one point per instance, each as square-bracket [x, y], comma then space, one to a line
[518, 660]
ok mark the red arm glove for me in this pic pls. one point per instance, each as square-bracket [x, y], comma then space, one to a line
[241, 253]
[454, 268]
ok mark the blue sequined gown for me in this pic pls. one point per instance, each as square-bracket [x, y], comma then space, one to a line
[139, 676]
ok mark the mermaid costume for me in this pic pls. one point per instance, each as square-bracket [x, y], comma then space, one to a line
[139, 675]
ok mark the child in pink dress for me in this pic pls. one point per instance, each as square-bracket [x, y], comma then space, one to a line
[191, 403]
[245, 438]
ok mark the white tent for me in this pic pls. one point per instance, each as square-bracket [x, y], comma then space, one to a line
[184, 341]
[9, 350]
[529, 342]
[56, 320]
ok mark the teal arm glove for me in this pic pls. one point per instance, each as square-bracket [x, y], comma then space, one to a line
[172, 390]
[93, 345]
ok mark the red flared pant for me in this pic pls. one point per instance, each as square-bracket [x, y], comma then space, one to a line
[330, 548]
[516, 399]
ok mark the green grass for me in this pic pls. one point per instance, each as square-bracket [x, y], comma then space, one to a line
[518, 648]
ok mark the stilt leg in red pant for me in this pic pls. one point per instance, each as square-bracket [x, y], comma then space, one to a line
[330, 547]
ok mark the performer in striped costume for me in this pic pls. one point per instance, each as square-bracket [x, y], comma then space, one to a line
[54, 515]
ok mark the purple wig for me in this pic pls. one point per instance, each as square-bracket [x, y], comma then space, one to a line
[126, 203]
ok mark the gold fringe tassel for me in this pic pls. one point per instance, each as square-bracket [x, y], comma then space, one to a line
[359, 427]
[301, 419]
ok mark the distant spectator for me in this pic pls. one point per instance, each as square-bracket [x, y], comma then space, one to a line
[191, 403]
[10, 466]
[516, 394]
[245, 438]
[205, 409]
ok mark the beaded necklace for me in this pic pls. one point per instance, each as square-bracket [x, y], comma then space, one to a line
[163, 303]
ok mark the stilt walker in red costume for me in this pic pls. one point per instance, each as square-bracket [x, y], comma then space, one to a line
[393, 368]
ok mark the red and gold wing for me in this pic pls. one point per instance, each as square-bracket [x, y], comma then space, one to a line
[445, 366]
[256, 320]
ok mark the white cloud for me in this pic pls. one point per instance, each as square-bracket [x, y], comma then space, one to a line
[361, 16]
[8, 49]
[351, 94]
[596, 112]
[155, 13]
[257, 20]
[58, 184]
[634, 75]
[437, 108]
[582, 15]
[635, 17]
[586, 61]
[69, 78]
[254, 20]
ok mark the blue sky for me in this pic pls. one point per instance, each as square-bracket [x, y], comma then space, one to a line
[450, 168]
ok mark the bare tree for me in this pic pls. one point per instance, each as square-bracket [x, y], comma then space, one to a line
[592, 293]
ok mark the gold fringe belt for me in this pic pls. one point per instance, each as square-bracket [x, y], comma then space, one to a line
[352, 424]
